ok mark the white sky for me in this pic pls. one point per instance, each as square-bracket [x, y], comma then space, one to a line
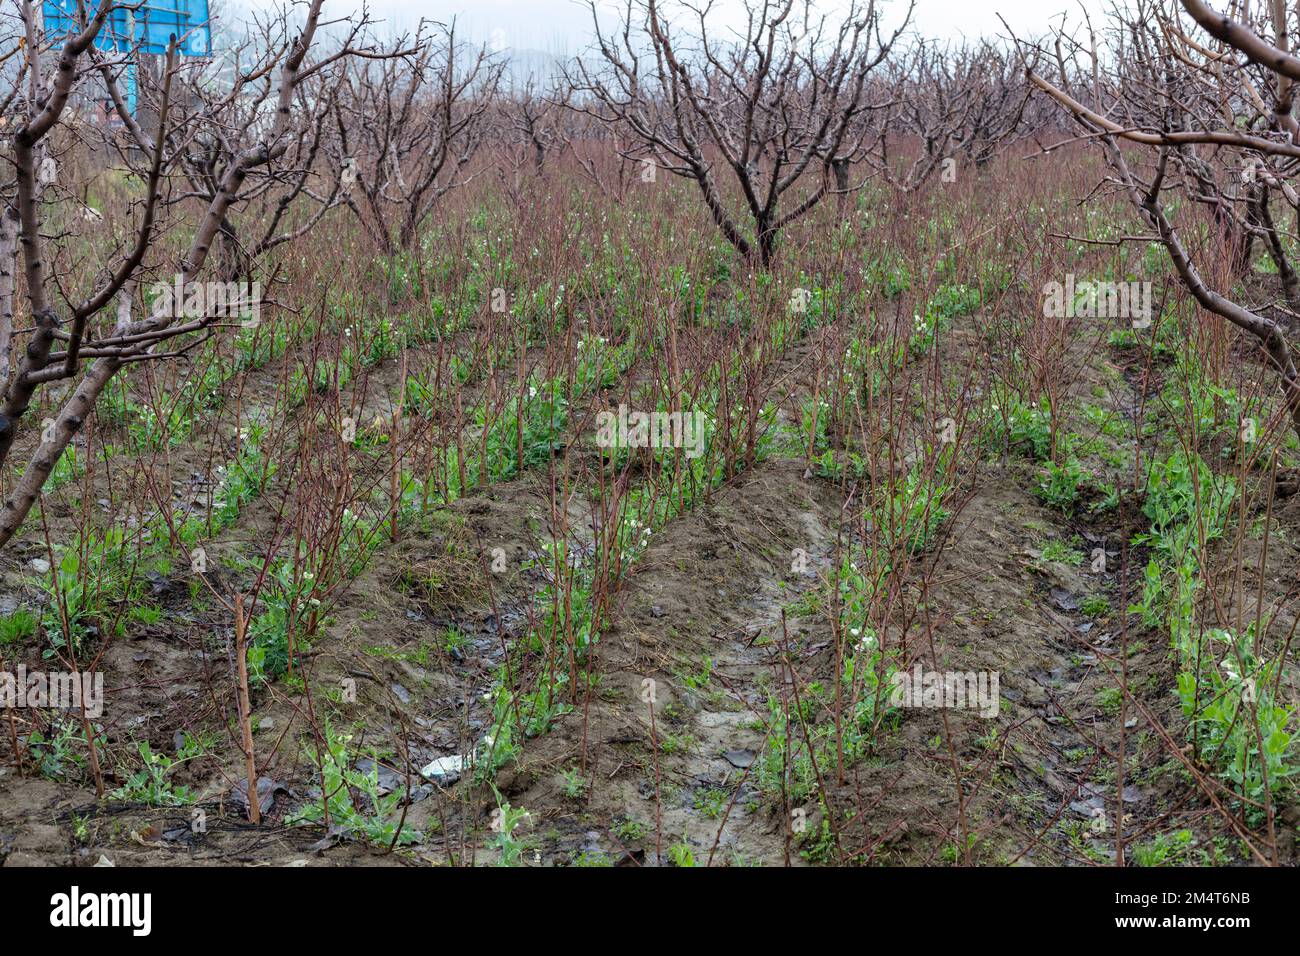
[565, 25]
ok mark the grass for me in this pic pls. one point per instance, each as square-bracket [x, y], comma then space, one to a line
[18, 626]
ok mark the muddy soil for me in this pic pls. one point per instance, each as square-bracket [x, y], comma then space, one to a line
[674, 756]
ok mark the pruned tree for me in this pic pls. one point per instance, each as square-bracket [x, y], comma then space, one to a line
[200, 165]
[949, 103]
[763, 114]
[1192, 125]
[408, 126]
[531, 119]
[526, 126]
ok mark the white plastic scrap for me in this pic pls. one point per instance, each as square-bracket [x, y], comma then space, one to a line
[445, 767]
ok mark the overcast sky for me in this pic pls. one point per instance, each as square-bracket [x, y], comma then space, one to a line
[565, 25]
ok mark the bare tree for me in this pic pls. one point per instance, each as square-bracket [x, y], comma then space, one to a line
[758, 113]
[408, 127]
[531, 119]
[948, 103]
[234, 148]
[1211, 121]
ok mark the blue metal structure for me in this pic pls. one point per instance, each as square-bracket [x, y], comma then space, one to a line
[143, 27]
